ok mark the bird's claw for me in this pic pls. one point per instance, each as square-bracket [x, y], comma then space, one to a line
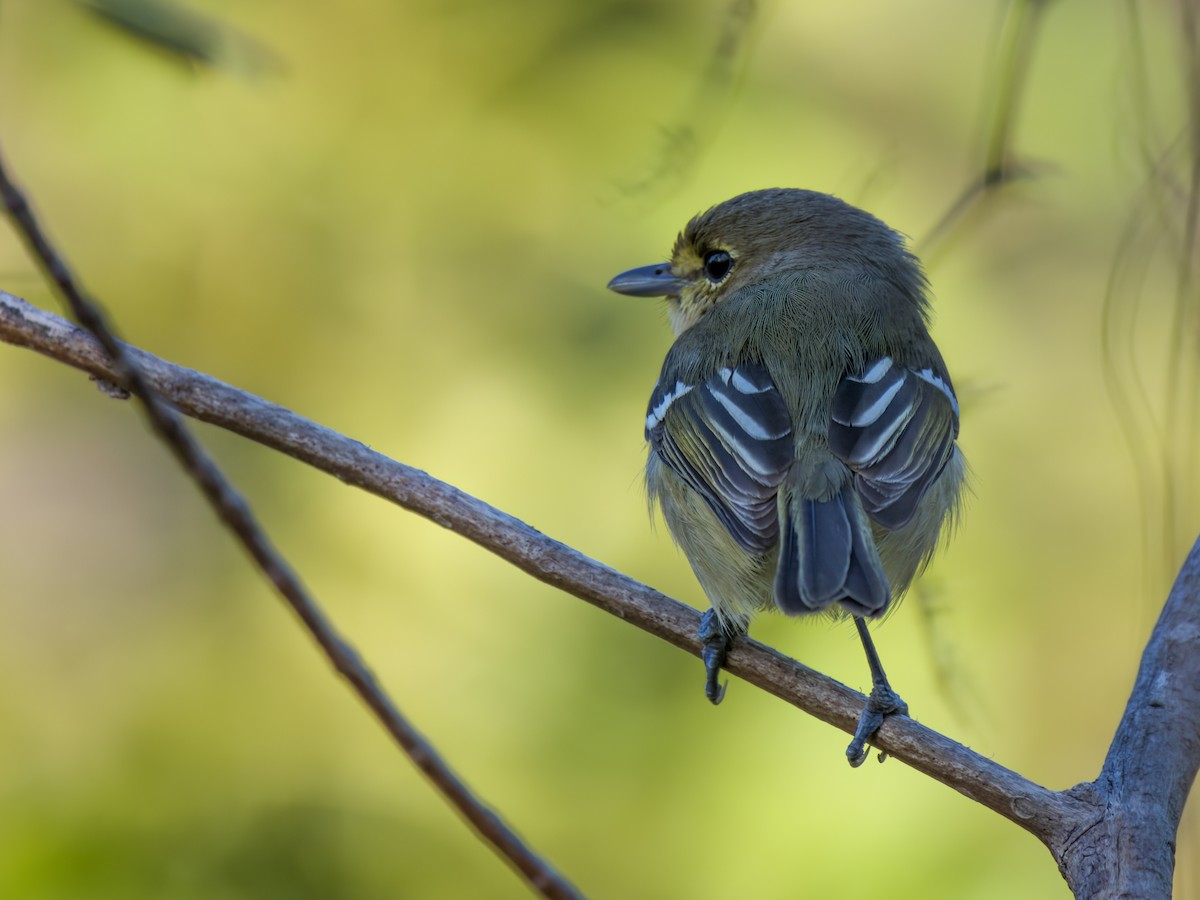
[712, 690]
[881, 703]
[715, 646]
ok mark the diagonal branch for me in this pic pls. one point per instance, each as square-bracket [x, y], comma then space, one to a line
[125, 370]
[1044, 812]
[1138, 797]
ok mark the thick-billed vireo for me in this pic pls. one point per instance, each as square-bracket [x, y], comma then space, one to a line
[802, 431]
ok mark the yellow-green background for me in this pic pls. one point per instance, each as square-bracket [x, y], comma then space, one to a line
[400, 224]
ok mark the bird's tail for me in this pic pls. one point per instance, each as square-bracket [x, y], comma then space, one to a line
[827, 555]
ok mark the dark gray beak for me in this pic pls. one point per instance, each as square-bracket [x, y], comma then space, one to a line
[648, 281]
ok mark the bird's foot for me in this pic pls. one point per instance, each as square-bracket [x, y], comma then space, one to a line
[881, 703]
[715, 645]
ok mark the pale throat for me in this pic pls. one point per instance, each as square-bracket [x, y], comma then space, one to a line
[683, 314]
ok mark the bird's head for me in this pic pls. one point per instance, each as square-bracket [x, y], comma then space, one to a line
[757, 235]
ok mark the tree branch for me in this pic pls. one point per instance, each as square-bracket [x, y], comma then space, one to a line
[1043, 812]
[1152, 761]
[1119, 829]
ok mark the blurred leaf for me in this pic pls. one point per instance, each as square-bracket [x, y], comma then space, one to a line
[184, 34]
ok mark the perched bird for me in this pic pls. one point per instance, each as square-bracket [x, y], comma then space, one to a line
[802, 431]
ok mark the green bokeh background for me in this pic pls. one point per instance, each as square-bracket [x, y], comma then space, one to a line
[401, 225]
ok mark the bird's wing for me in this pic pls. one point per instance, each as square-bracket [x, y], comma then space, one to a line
[895, 428]
[729, 438]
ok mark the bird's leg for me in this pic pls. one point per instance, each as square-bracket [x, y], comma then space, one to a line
[881, 702]
[715, 641]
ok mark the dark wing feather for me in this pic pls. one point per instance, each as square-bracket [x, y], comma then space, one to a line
[895, 428]
[730, 439]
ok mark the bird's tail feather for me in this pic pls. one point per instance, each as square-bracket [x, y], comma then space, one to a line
[827, 555]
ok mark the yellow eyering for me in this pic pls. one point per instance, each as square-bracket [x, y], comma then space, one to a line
[700, 295]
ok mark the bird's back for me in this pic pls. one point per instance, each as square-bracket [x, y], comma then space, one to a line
[839, 551]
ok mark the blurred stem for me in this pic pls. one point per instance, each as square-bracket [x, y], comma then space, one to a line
[126, 371]
[1182, 365]
[693, 130]
[999, 164]
[1024, 18]
[1122, 376]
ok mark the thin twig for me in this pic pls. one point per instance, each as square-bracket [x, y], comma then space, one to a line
[1000, 167]
[232, 509]
[685, 138]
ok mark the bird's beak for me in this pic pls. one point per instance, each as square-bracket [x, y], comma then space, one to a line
[648, 281]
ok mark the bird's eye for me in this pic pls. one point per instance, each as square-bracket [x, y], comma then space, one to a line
[717, 264]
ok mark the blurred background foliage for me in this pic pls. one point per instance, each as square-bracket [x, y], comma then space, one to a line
[398, 220]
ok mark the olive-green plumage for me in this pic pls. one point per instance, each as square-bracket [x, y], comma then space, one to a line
[802, 431]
